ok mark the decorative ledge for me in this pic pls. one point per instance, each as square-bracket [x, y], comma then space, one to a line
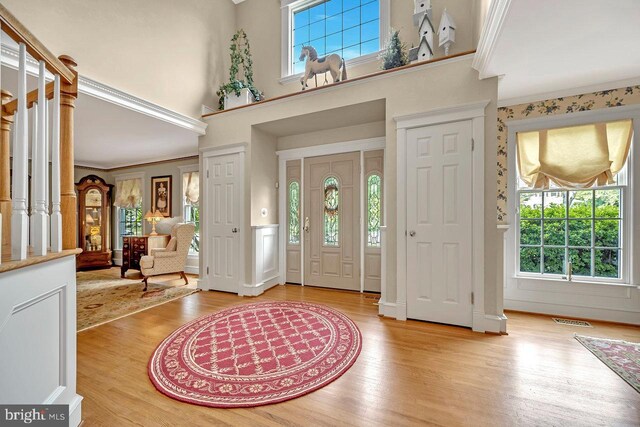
[33, 260]
[365, 59]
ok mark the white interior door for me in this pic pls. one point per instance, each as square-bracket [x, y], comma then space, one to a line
[331, 221]
[439, 223]
[223, 219]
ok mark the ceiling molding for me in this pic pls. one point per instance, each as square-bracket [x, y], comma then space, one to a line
[507, 102]
[110, 94]
[498, 11]
[136, 165]
[237, 1]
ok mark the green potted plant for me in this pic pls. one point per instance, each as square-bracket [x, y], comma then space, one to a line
[239, 91]
[395, 53]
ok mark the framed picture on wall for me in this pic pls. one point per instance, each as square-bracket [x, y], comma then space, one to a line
[161, 195]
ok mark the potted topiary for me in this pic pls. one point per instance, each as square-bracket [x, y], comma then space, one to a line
[395, 53]
[239, 91]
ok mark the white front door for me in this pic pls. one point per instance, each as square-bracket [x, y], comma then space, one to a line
[439, 223]
[224, 219]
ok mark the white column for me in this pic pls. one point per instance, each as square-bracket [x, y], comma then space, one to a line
[56, 215]
[19, 217]
[39, 167]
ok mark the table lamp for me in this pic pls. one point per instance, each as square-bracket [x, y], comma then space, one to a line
[153, 218]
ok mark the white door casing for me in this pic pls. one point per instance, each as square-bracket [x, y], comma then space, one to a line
[223, 184]
[439, 214]
[332, 266]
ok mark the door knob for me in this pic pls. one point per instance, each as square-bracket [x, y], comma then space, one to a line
[306, 224]
[234, 230]
[412, 233]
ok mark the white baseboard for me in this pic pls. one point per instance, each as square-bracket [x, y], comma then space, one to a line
[387, 309]
[192, 270]
[203, 283]
[620, 316]
[495, 324]
[75, 411]
[249, 290]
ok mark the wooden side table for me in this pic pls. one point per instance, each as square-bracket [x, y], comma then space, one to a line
[135, 247]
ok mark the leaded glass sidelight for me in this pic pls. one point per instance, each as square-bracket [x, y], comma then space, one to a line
[294, 213]
[331, 212]
[374, 210]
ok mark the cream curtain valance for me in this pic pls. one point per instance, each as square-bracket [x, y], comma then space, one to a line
[128, 193]
[191, 185]
[574, 157]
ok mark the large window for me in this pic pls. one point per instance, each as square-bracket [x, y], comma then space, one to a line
[349, 28]
[572, 232]
[191, 205]
[571, 192]
[128, 203]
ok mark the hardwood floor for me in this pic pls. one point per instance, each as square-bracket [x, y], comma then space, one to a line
[409, 373]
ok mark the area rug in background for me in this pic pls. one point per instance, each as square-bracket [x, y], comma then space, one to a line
[621, 356]
[101, 298]
[255, 354]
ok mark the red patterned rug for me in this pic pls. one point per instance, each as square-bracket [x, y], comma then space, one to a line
[621, 356]
[255, 354]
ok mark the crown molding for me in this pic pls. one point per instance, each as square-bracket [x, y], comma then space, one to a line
[110, 94]
[237, 1]
[137, 165]
[496, 16]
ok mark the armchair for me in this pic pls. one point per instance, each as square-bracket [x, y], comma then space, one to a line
[171, 259]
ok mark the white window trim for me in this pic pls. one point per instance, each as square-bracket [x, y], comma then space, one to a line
[121, 177]
[630, 273]
[288, 6]
[186, 169]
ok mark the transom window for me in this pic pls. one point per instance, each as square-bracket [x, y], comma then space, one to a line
[349, 28]
[572, 186]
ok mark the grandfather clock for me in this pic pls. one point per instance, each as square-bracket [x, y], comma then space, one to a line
[94, 223]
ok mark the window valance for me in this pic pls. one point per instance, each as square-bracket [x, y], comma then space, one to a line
[128, 193]
[574, 157]
[191, 185]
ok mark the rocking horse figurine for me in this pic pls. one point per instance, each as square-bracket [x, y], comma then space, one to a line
[332, 63]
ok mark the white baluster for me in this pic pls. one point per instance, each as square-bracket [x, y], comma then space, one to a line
[31, 206]
[56, 215]
[19, 217]
[40, 169]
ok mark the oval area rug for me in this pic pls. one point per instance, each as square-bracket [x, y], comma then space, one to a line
[255, 354]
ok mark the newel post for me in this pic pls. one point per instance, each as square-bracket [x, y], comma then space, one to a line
[5, 170]
[68, 204]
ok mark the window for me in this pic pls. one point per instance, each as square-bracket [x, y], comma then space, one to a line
[294, 213]
[129, 222]
[349, 28]
[191, 205]
[331, 212]
[374, 210]
[572, 185]
[128, 203]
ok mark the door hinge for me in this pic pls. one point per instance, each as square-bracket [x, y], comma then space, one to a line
[207, 173]
[207, 270]
[472, 298]
[473, 144]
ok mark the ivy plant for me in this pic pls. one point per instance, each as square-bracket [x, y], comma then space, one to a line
[240, 56]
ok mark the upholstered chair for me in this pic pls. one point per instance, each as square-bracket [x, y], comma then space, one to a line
[171, 259]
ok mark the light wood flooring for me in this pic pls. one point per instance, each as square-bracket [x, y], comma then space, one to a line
[409, 373]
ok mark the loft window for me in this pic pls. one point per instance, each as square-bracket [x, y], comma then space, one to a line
[349, 28]
[571, 192]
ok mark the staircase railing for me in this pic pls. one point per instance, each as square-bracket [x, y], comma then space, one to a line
[42, 218]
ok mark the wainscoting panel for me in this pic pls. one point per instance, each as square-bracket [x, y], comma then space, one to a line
[265, 270]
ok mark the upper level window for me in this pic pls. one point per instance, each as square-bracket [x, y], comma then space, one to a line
[571, 192]
[349, 28]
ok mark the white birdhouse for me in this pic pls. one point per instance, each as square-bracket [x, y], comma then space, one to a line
[425, 28]
[446, 31]
[425, 50]
[422, 6]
